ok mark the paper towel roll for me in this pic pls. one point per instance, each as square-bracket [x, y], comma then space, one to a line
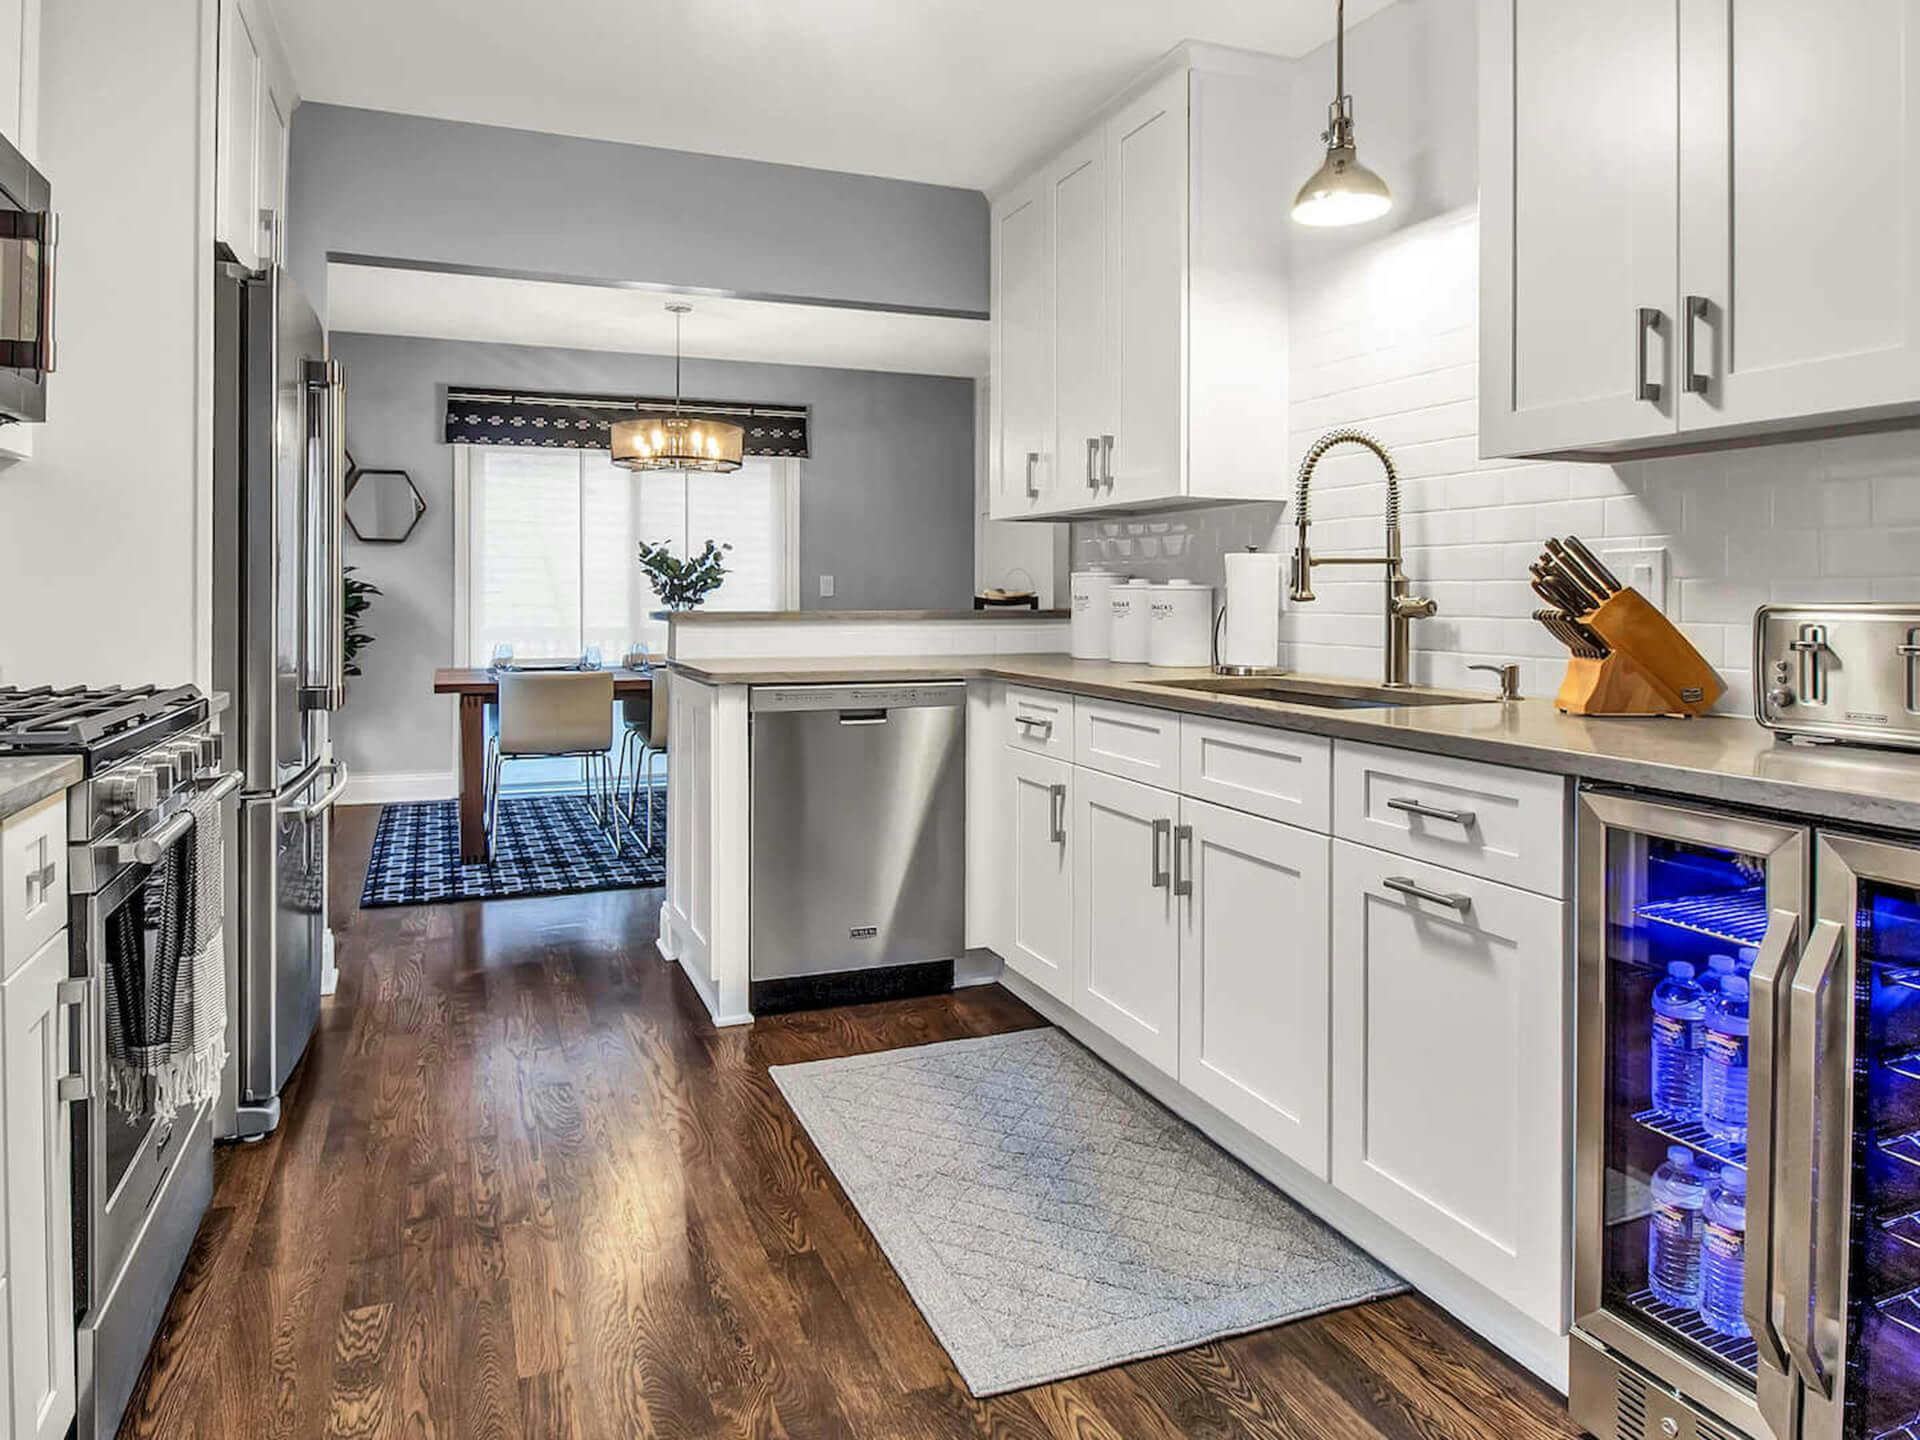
[1251, 635]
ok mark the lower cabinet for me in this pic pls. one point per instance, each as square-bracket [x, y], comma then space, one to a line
[1126, 926]
[1450, 1067]
[1039, 887]
[1254, 975]
[38, 1194]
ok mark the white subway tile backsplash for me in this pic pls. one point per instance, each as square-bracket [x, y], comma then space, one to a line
[1384, 338]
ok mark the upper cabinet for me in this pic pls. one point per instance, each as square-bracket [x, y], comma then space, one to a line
[1139, 302]
[20, 76]
[250, 138]
[1675, 251]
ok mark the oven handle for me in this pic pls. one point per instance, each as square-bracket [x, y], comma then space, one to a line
[149, 848]
[77, 1084]
[1810, 1270]
[1768, 1055]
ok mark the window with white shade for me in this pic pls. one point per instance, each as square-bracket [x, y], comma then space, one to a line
[551, 540]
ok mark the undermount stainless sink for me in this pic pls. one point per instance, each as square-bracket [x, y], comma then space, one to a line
[1323, 694]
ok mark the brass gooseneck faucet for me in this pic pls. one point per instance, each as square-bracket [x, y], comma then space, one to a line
[1402, 607]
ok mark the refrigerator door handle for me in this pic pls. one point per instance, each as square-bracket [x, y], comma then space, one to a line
[1768, 1052]
[1814, 1235]
[325, 688]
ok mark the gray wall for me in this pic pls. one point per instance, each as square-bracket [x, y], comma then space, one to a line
[402, 187]
[885, 501]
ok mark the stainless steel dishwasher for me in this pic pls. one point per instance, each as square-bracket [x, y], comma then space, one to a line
[859, 842]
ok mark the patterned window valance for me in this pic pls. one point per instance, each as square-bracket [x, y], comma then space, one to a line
[583, 422]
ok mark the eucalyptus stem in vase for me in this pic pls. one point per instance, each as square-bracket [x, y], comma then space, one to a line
[683, 584]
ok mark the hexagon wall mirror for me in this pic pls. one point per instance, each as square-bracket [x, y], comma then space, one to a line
[383, 506]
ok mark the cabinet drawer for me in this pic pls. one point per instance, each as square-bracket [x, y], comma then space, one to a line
[1508, 825]
[1128, 740]
[1040, 721]
[1274, 773]
[33, 880]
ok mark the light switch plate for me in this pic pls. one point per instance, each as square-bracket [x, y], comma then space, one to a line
[1643, 569]
[826, 587]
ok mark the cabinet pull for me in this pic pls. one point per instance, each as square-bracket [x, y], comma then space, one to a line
[1417, 891]
[1645, 320]
[1033, 490]
[1162, 876]
[1183, 874]
[1093, 463]
[1463, 818]
[1030, 723]
[1057, 814]
[77, 1084]
[1696, 311]
[1106, 461]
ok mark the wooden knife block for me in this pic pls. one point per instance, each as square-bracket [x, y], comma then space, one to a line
[1653, 670]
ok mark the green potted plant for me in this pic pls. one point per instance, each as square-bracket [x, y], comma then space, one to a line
[683, 584]
[357, 596]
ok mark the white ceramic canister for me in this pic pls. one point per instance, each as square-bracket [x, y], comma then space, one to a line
[1092, 615]
[1180, 628]
[1128, 637]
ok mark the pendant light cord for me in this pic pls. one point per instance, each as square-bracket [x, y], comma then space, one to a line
[1340, 51]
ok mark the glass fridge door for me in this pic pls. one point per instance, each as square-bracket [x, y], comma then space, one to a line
[1685, 916]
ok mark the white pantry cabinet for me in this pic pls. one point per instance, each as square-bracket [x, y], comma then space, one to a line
[250, 138]
[1039, 889]
[1254, 974]
[1450, 1068]
[1674, 251]
[1126, 924]
[1139, 301]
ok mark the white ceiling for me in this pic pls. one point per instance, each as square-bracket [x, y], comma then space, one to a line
[955, 92]
[395, 301]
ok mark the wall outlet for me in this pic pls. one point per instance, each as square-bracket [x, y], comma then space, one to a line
[1643, 569]
[826, 587]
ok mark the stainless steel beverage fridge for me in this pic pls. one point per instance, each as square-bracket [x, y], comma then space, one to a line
[1747, 1164]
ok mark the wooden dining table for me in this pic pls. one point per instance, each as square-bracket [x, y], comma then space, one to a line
[478, 688]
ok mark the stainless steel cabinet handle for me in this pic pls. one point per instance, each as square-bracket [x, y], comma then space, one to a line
[1093, 463]
[1694, 313]
[1042, 723]
[1766, 1054]
[1057, 814]
[77, 1084]
[1810, 1272]
[1462, 903]
[1106, 460]
[1464, 818]
[1162, 829]
[1033, 489]
[40, 879]
[1183, 873]
[1646, 321]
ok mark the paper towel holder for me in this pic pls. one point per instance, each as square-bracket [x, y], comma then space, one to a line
[1238, 671]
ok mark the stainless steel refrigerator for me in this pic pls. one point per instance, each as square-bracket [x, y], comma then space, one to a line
[279, 478]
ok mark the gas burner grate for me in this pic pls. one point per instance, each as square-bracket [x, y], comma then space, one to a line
[80, 718]
[1738, 917]
[1738, 1351]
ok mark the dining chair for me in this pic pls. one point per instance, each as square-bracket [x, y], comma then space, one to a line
[550, 715]
[646, 721]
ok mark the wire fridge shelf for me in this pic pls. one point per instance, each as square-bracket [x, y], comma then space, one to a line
[1738, 1351]
[1696, 1137]
[1738, 917]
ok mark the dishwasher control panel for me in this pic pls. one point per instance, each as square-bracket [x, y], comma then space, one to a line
[913, 696]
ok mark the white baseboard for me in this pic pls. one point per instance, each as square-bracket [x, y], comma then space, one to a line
[394, 787]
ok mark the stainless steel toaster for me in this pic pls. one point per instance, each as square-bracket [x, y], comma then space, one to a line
[1839, 672]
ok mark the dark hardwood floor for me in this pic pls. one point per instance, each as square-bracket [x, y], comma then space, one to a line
[525, 1189]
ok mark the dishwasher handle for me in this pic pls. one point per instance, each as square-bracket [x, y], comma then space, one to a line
[863, 717]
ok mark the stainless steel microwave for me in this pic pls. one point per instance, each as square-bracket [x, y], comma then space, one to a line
[28, 235]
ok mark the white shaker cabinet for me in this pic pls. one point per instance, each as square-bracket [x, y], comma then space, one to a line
[250, 138]
[1126, 923]
[34, 1036]
[1039, 883]
[1450, 1068]
[20, 75]
[1151, 247]
[1253, 974]
[1674, 250]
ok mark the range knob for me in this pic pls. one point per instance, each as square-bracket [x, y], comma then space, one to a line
[209, 757]
[146, 786]
[1780, 697]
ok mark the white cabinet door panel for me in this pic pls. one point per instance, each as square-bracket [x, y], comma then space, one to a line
[1253, 976]
[1040, 875]
[1147, 235]
[236, 138]
[1580, 203]
[39, 1188]
[1040, 721]
[1806, 251]
[1022, 397]
[1082, 326]
[1135, 741]
[33, 871]
[1126, 935]
[1450, 1069]
[1276, 773]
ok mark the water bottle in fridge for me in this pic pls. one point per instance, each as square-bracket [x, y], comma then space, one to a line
[1679, 1010]
[1673, 1233]
[1723, 1254]
[1723, 1063]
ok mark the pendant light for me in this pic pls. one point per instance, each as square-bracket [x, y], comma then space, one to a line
[672, 440]
[1342, 191]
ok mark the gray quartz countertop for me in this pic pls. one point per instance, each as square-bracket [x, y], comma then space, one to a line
[28, 779]
[762, 617]
[1727, 759]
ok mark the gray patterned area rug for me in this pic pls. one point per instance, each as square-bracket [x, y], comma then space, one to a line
[1049, 1218]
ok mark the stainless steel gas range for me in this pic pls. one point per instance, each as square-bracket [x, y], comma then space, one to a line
[140, 1186]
